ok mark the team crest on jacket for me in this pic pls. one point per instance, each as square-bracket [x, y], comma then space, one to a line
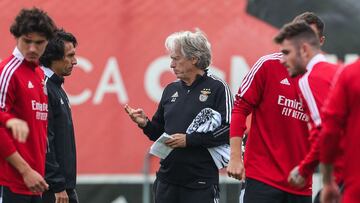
[204, 94]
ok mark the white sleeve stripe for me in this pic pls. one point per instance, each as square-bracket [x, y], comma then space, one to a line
[259, 62]
[230, 104]
[8, 78]
[310, 100]
[5, 71]
[221, 130]
[250, 76]
[5, 78]
[228, 97]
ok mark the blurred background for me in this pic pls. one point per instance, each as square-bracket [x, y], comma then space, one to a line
[122, 60]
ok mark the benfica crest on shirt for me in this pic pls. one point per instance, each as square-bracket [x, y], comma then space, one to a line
[204, 94]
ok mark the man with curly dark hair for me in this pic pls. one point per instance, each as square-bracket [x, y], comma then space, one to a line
[23, 96]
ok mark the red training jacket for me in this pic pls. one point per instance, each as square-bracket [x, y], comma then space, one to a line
[342, 114]
[278, 138]
[22, 95]
[314, 87]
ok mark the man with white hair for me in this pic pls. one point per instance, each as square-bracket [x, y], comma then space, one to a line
[188, 174]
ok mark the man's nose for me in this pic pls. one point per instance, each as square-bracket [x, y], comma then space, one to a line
[74, 62]
[32, 47]
[172, 65]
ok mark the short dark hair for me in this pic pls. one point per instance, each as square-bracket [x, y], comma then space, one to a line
[311, 18]
[298, 31]
[33, 20]
[55, 49]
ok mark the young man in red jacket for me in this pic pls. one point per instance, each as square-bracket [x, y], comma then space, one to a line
[341, 124]
[278, 136]
[22, 95]
[302, 56]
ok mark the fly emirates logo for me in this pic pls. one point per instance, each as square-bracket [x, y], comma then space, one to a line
[41, 110]
[292, 108]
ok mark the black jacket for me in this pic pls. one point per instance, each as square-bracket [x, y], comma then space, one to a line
[193, 165]
[60, 168]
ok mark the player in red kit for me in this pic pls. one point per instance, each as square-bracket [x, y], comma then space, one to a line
[277, 140]
[270, 190]
[302, 56]
[341, 124]
[22, 96]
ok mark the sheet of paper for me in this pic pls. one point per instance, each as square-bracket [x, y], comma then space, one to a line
[159, 148]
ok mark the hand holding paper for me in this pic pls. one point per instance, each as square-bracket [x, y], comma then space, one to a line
[159, 148]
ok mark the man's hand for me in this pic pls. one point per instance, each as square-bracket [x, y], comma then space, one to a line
[19, 129]
[330, 193]
[61, 197]
[236, 169]
[34, 181]
[137, 115]
[178, 140]
[295, 179]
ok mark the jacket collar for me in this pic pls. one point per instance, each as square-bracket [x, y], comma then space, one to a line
[316, 59]
[18, 54]
[197, 81]
[52, 76]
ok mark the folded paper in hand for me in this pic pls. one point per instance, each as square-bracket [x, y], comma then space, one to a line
[159, 148]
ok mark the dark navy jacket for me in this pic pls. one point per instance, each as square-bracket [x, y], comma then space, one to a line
[60, 168]
[193, 165]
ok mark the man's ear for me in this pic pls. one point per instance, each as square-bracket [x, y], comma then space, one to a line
[322, 40]
[305, 49]
[194, 60]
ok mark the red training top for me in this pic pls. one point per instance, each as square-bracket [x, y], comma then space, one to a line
[342, 114]
[314, 87]
[278, 138]
[22, 95]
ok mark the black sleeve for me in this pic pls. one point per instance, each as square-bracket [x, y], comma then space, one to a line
[53, 175]
[220, 136]
[155, 127]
